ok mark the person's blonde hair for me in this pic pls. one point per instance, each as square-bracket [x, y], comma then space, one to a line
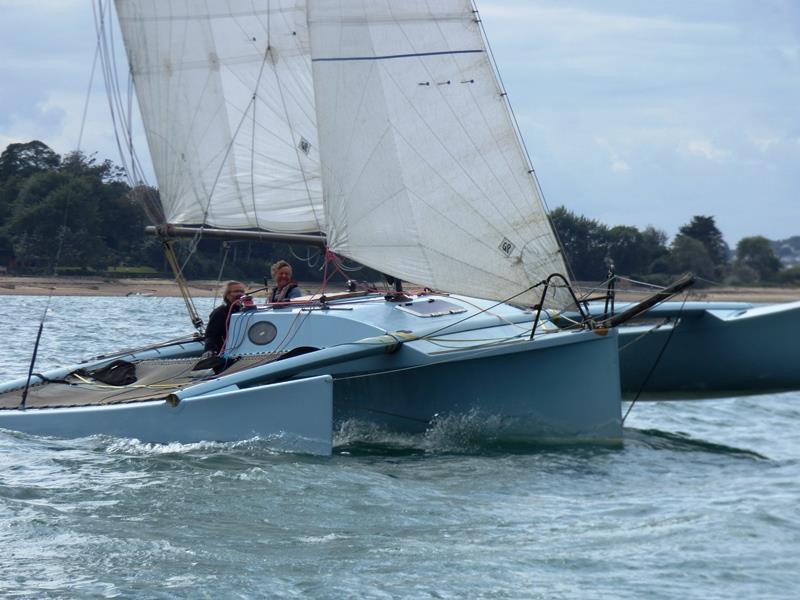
[279, 265]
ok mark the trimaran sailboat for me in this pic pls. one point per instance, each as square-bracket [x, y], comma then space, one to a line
[383, 126]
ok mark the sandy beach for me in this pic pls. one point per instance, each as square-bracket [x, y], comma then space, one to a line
[101, 286]
[98, 286]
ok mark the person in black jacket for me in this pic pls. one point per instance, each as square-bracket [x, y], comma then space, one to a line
[217, 328]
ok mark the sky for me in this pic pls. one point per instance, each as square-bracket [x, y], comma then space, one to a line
[634, 112]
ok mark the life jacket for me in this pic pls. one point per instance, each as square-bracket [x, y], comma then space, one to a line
[280, 294]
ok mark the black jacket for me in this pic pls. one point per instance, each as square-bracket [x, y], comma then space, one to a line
[217, 327]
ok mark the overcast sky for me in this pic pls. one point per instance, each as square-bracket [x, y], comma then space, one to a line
[639, 112]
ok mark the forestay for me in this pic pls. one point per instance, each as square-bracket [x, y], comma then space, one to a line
[226, 96]
[424, 175]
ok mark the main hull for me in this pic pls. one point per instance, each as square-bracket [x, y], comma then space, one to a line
[550, 393]
[351, 369]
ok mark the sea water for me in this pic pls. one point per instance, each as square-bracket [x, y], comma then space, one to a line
[701, 501]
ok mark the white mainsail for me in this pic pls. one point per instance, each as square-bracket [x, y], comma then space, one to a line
[226, 96]
[423, 174]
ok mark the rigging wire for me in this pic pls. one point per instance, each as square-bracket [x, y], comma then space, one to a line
[657, 360]
[56, 260]
[227, 246]
[88, 94]
[656, 327]
[525, 291]
[521, 139]
[108, 76]
[121, 105]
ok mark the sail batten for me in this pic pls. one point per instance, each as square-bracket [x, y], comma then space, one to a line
[393, 56]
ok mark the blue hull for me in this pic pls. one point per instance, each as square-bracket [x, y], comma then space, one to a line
[713, 351]
[398, 365]
[547, 393]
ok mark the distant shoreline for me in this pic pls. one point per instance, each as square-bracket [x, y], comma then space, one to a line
[99, 286]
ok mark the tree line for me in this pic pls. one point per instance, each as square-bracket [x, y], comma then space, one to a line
[77, 215]
[591, 248]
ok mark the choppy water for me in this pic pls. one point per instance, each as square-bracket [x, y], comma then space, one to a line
[700, 502]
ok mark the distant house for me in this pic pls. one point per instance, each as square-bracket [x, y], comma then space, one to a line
[788, 251]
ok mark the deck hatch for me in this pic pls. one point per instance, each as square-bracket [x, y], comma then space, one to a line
[433, 307]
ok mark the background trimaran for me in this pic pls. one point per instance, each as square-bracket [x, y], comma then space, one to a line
[383, 126]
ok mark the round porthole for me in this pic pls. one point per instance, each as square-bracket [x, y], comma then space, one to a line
[262, 333]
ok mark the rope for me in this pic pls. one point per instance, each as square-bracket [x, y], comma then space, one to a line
[642, 283]
[655, 363]
[646, 333]
[137, 385]
[308, 256]
[330, 257]
[227, 246]
[182, 286]
[501, 318]
[507, 300]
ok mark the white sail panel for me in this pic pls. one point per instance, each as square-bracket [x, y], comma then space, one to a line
[424, 176]
[226, 96]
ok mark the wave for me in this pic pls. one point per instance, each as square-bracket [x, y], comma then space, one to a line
[681, 442]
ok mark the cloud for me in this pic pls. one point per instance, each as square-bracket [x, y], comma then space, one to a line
[577, 23]
[56, 120]
[618, 165]
[707, 150]
[791, 53]
[765, 143]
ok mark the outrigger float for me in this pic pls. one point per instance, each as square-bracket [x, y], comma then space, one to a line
[705, 349]
[699, 349]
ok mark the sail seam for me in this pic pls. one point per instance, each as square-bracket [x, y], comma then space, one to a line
[393, 56]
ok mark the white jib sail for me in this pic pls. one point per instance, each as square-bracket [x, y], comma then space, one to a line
[226, 96]
[423, 173]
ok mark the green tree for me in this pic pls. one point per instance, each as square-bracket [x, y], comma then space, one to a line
[584, 242]
[79, 164]
[755, 253]
[704, 230]
[654, 248]
[74, 214]
[790, 276]
[62, 226]
[622, 247]
[17, 163]
[634, 252]
[26, 159]
[690, 254]
[6, 249]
